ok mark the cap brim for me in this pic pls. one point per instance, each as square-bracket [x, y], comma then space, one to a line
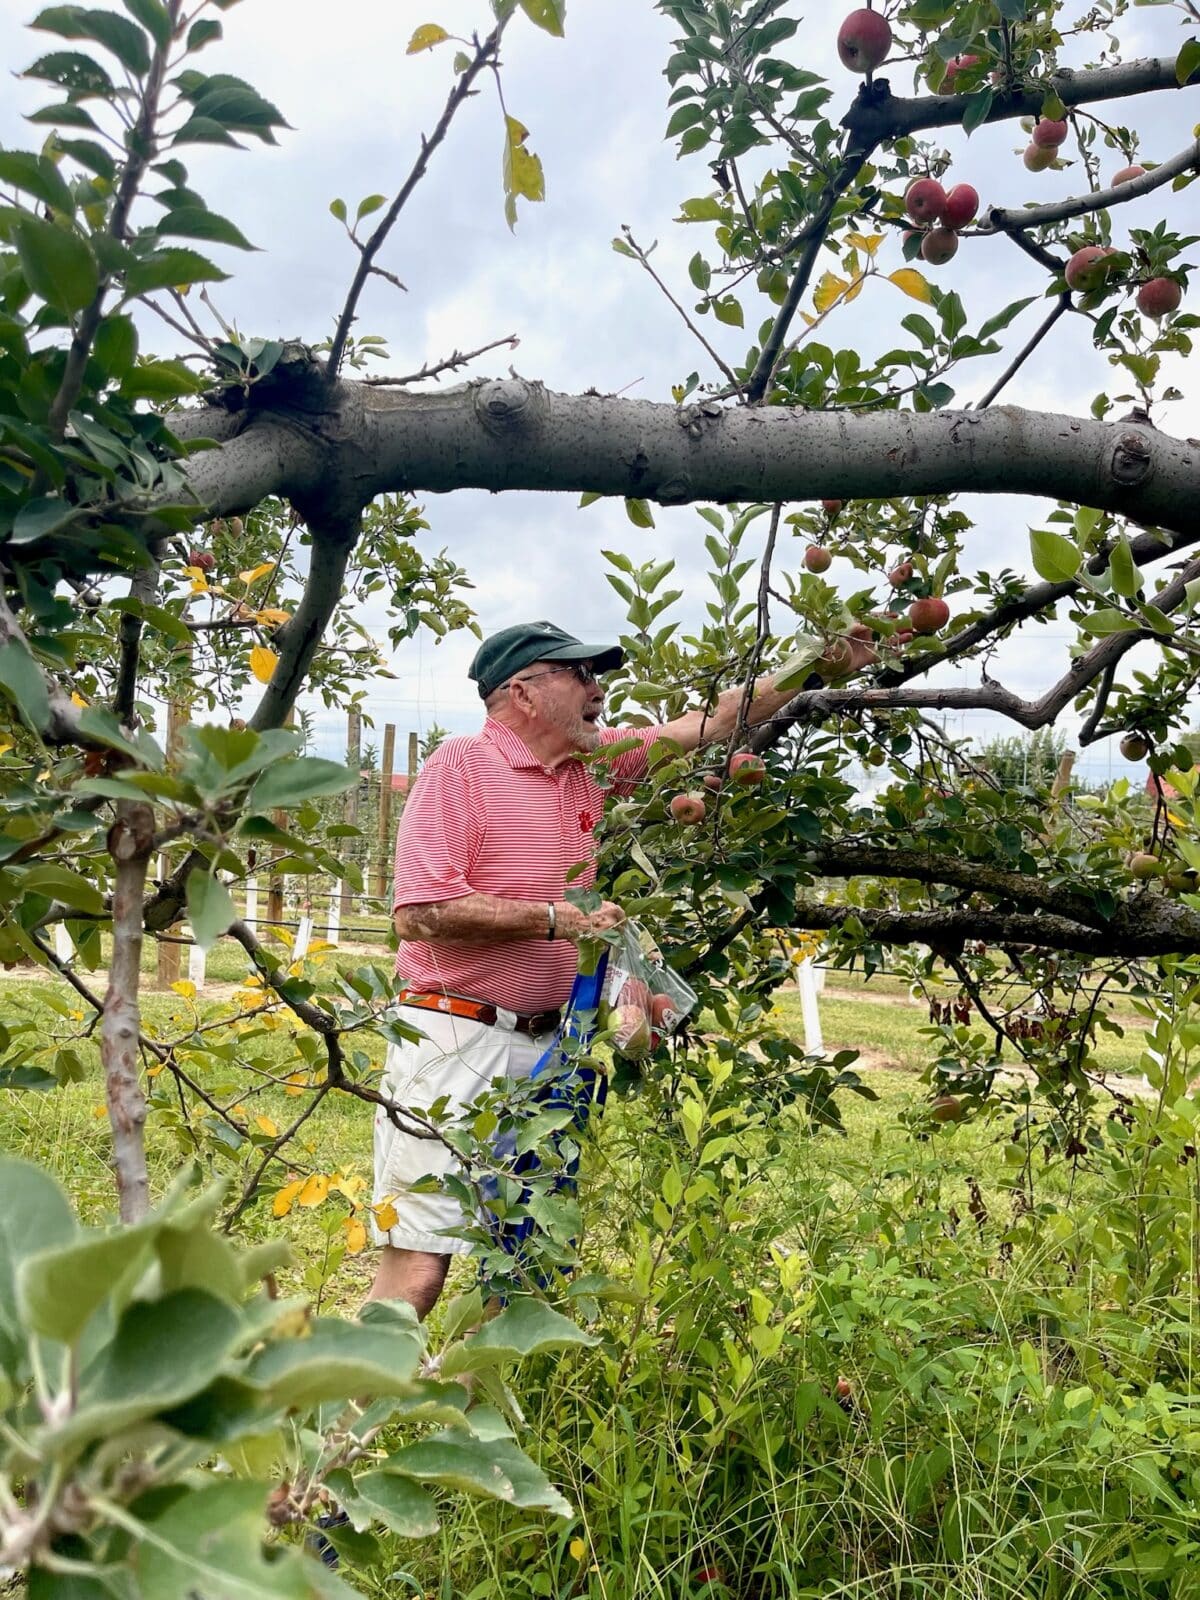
[604, 657]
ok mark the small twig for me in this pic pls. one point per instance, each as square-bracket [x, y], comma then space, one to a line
[643, 258]
[1062, 304]
[449, 364]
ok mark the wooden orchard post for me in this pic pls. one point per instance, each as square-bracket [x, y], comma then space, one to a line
[276, 882]
[354, 762]
[382, 873]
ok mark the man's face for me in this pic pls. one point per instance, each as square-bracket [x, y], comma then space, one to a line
[569, 699]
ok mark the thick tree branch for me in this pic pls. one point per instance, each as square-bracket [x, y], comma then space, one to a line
[1163, 928]
[1000, 220]
[877, 117]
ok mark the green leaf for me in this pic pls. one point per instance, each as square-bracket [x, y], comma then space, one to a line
[524, 1328]
[372, 203]
[1054, 558]
[210, 907]
[59, 1289]
[72, 71]
[116, 345]
[1003, 318]
[729, 310]
[336, 1360]
[401, 1505]
[38, 177]
[1123, 573]
[290, 783]
[22, 680]
[638, 512]
[1012, 10]
[197, 222]
[104, 726]
[1187, 62]
[452, 1463]
[337, 208]
[207, 1541]
[57, 262]
[170, 269]
[1107, 620]
[202, 33]
[123, 38]
[160, 380]
[35, 1216]
[976, 108]
[60, 883]
[548, 14]
[154, 17]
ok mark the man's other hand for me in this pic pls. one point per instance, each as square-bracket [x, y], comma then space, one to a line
[574, 924]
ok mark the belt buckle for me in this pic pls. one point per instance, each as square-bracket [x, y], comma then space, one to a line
[505, 1019]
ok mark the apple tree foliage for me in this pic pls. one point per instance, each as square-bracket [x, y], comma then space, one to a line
[191, 514]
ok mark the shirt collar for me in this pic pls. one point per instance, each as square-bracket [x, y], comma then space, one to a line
[510, 745]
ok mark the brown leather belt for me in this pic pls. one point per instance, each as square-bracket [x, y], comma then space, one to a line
[457, 1005]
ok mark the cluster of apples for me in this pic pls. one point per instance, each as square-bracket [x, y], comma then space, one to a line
[1090, 266]
[745, 769]
[640, 1018]
[942, 212]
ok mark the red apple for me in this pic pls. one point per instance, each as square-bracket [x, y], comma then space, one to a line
[817, 558]
[1127, 175]
[939, 245]
[688, 809]
[1134, 747]
[947, 1108]
[632, 1036]
[953, 68]
[928, 615]
[747, 768]
[1088, 267]
[204, 559]
[1049, 134]
[1038, 157]
[831, 508]
[925, 200]
[712, 780]
[842, 1389]
[664, 1013]
[962, 206]
[863, 41]
[635, 992]
[1159, 297]
[900, 574]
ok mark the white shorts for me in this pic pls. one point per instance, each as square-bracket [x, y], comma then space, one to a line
[458, 1060]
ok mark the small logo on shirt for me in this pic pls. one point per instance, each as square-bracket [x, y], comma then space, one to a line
[586, 822]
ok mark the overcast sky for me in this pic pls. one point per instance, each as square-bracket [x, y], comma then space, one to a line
[594, 104]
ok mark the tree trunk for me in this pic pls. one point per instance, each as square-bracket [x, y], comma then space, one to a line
[129, 841]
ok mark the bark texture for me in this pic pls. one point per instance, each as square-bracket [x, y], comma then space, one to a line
[515, 434]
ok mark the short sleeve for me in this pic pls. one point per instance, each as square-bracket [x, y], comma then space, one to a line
[626, 770]
[437, 839]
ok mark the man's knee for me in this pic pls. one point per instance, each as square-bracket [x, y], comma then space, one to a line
[413, 1275]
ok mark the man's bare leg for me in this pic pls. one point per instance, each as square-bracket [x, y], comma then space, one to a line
[413, 1275]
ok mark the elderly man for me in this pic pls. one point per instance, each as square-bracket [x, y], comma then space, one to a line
[487, 953]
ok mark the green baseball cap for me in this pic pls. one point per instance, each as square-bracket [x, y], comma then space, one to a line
[507, 652]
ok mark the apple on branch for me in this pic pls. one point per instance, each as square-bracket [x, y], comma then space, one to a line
[863, 41]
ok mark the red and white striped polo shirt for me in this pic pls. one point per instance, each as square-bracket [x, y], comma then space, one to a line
[486, 817]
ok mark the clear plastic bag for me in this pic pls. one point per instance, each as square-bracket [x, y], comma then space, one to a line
[646, 1000]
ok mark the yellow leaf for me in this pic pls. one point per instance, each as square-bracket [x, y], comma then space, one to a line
[198, 584]
[268, 1127]
[255, 573]
[577, 1548]
[237, 1111]
[386, 1215]
[351, 1187]
[869, 243]
[153, 1072]
[829, 291]
[6, 745]
[855, 289]
[911, 281]
[99, 1111]
[356, 1235]
[297, 1083]
[426, 36]
[185, 987]
[314, 1190]
[523, 174]
[282, 1202]
[262, 662]
[77, 699]
[272, 616]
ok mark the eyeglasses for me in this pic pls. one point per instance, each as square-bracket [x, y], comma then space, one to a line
[583, 671]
